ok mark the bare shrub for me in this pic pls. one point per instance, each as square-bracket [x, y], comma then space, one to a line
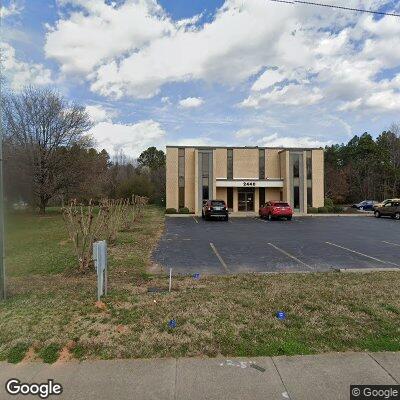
[84, 227]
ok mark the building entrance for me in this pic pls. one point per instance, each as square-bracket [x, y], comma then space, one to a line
[246, 199]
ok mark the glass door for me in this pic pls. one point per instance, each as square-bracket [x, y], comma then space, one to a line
[246, 199]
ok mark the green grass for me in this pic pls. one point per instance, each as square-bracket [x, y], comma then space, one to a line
[216, 315]
[37, 244]
[49, 354]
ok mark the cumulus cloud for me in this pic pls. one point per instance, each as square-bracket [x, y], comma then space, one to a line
[98, 113]
[12, 9]
[275, 140]
[191, 102]
[132, 139]
[303, 55]
[20, 73]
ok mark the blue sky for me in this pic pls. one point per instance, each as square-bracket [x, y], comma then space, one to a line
[232, 72]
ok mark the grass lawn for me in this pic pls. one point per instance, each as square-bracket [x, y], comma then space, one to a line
[51, 312]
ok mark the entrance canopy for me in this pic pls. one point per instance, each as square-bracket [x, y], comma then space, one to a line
[274, 183]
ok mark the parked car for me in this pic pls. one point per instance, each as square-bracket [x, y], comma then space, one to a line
[366, 205]
[384, 202]
[215, 208]
[275, 209]
[390, 209]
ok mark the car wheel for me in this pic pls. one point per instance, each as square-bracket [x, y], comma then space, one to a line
[269, 217]
[226, 218]
[397, 216]
[377, 214]
[289, 218]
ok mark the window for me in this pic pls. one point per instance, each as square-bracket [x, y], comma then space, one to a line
[181, 178]
[205, 173]
[261, 193]
[229, 195]
[230, 163]
[309, 178]
[261, 163]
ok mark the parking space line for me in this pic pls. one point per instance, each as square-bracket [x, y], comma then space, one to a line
[219, 258]
[393, 244]
[291, 256]
[195, 220]
[362, 254]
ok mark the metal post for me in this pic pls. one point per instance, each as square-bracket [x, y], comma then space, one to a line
[2, 266]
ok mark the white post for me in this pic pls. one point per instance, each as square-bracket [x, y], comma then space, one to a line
[170, 279]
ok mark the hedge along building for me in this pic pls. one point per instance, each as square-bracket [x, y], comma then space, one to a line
[245, 177]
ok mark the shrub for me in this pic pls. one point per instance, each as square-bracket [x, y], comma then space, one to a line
[337, 209]
[328, 202]
[17, 353]
[323, 210]
[312, 210]
[170, 211]
[183, 210]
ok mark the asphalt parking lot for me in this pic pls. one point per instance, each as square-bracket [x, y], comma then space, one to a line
[191, 245]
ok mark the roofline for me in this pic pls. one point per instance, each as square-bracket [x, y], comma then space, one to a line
[246, 147]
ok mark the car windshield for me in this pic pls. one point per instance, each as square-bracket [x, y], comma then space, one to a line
[218, 203]
[281, 204]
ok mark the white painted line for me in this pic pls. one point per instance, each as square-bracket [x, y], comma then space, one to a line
[195, 220]
[393, 244]
[290, 256]
[219, 257]
[362, 254]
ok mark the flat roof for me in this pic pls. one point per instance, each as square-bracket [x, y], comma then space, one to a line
[247, 147]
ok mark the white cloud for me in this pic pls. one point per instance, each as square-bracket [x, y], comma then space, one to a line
[191, 102]
[13, 9]
[99, 32]
[132, 139]
[20, 73]
[98, 113]
[309, 55]
[275, 140]
[290, 95]
[247, 132]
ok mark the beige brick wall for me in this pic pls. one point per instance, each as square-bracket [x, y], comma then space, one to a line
[220, 163]
[272, 194]
[172, 178]
[189, 179]
[272, 164]
[284, 162]
[221, 194]
[256, 199]
[235, 200]
[245, 163]
[318, 178]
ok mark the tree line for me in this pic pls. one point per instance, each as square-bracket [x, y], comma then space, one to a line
[50, 159]
[364, 168]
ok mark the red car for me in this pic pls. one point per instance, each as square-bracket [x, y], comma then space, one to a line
[276, 209]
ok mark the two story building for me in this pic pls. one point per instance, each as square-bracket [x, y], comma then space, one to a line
[245, 177]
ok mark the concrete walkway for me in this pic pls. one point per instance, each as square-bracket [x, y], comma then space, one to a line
[326, 376]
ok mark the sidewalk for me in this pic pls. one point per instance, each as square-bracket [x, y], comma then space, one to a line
[325, 376]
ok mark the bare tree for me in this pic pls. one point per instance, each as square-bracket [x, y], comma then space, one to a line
[41, 125]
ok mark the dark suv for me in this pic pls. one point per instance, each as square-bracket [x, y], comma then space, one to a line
[215, 208]
[390, 209]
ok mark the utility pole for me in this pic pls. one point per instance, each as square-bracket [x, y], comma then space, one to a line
[2, 266]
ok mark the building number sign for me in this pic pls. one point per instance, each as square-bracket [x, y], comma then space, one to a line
[249, 183]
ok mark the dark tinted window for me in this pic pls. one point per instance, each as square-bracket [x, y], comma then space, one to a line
[217, 203]
[229, 195]
[281, 204]
[230, 163]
